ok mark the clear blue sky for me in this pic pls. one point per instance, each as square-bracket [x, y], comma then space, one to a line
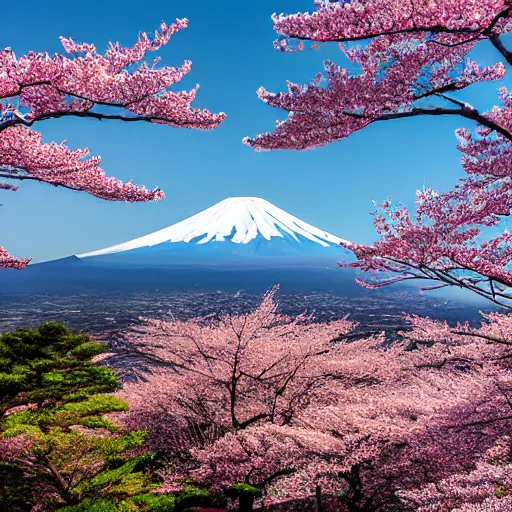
[230, 45]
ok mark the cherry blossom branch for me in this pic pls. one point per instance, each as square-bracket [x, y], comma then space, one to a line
[494, 339]
[252, 420]
[498, 44]
[35, 178]
[483, 422]
[22, 87]
[416, 50]
[466, 111]
[53, 87]
[315, 27]
[442, 275]
[9, 261]
[468, 284]
[100, 116]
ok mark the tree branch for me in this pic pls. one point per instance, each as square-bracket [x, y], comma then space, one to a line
[445, 277]
[483, 336]
[23, 86]
[465, 111]
[277, 474]
[252, 420]
[35, 178]
[483, 422]
[498, 44]
[434, 29]
[100, 117]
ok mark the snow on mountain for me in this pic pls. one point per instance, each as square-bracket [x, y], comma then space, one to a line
[240, 220]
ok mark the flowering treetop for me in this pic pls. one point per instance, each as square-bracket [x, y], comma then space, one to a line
[346, 20]
[274, 403]
[58, 86]
[445, 241]
[117, 85]
[408, 74]
[243, 369]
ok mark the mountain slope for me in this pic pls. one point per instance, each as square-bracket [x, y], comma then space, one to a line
[243, 230]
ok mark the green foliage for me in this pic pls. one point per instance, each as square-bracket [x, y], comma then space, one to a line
[96, 405]
[127, 480]
[501, 492]
[154, 502]
[50, 364]
[93, 505]
[150, 502]
[50, 369]
[86, 351]
[18, 429]
[192, 496]
[141, 503]
[15, 491]
[243, 488]
[87, 413]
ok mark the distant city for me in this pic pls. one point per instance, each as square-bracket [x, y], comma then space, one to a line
[95, 312]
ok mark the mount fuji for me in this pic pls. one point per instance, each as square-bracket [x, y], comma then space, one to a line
[239, 243]
[237, 231]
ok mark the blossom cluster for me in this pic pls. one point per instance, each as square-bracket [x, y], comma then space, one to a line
[397, 76]
[445, 240]
[361, 19]
[9, 261]
[416, 56]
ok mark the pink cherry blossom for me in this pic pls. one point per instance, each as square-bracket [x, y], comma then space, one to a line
[363, 19]
[9, 261]
[277, 403]
[445, 241]
[408, 75]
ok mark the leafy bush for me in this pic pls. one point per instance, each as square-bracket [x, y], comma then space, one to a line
[49, 364]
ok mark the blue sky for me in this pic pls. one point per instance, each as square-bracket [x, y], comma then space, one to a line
[232, 54]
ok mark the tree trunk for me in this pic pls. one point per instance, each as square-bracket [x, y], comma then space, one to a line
[246, 502]
[318, 499]
[63, 488]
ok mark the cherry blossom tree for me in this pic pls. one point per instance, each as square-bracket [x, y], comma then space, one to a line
[484, 488]
[483, 420]
[231, 372]
[267, 408]
[117, 85]
[416, 59]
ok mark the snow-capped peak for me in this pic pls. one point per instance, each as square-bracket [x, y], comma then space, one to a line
[241, 219]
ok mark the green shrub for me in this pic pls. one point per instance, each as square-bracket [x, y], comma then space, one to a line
[15, 491]
[153, 502]
[50, 367]
[87, 351]
[192, 496]
[95, 405]
[98, 505]
[48, 364]
[244, 488]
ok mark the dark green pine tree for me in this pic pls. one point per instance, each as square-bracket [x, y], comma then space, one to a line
[48, 365]
[77, 455]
